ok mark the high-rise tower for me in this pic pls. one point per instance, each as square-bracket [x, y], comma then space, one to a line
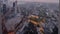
[15, 6]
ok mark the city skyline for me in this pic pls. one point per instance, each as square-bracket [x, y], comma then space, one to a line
[46, 1]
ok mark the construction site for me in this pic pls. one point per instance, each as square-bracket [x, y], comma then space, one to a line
[22, 17]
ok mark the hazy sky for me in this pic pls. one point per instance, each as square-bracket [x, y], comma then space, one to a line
[48, 1]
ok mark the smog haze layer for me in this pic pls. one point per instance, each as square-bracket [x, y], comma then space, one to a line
[45, 1]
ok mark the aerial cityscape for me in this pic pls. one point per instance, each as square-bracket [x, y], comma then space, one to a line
[29, 17]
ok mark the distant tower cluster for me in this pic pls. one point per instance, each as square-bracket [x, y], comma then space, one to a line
[3, 5]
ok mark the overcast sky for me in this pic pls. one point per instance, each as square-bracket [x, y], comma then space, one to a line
[47, 1]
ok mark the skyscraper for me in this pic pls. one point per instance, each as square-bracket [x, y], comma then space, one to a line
[15, 6]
